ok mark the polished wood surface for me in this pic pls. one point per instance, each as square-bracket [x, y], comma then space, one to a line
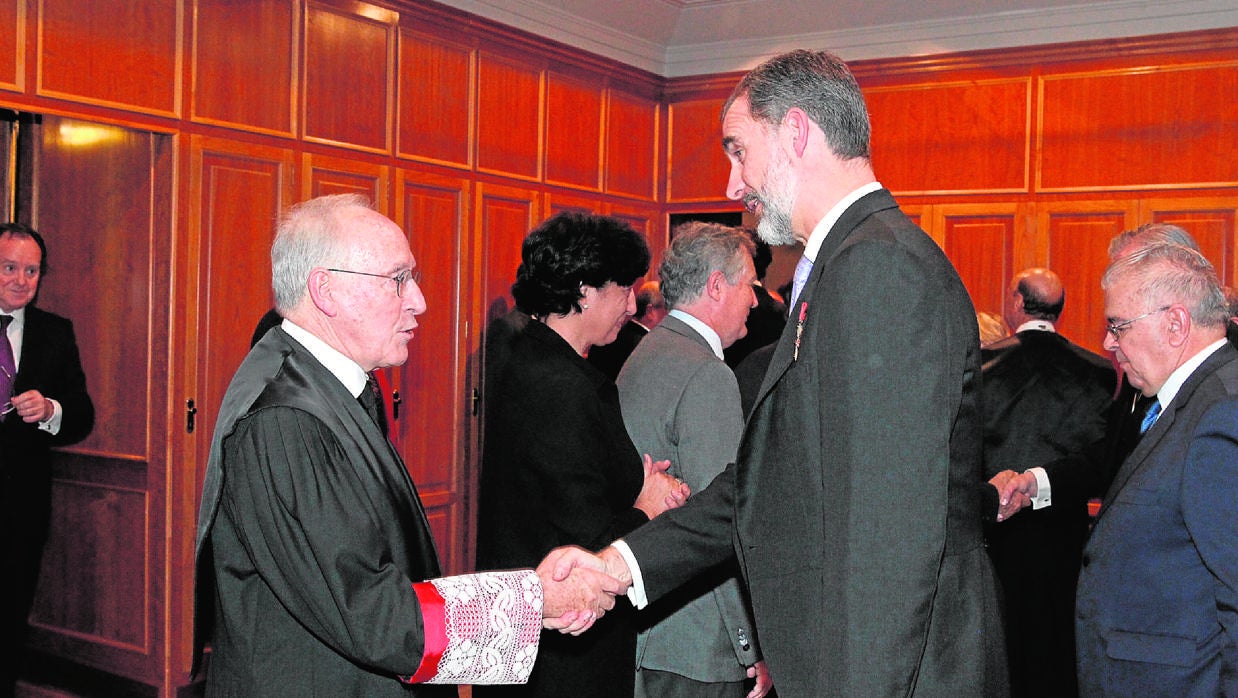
[349, 59]
[468, 134]
[263, 67]
[123, 54]
[573, 131]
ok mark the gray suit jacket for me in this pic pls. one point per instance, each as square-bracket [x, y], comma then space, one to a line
[680, 402]
[1155, 611]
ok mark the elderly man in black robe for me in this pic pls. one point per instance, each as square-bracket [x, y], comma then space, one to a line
[325, 574]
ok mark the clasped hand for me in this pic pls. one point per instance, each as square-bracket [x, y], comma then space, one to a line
[576, 590]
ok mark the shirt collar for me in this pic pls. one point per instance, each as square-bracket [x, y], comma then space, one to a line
[348, 372]
[1042, 325]
[1174, 383]
[19, 318]
[831, 217]
[711, 337]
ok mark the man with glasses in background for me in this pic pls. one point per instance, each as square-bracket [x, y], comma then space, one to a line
[1157, 600]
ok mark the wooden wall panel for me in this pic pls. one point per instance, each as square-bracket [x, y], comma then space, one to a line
[648, 221]
[251, 48]
[436, 99]
[697, 169]
[632, 146]
[93, 581]
[240, 192]
[1212, 222]
[509, 117]
[12, 44]
[322, 175]
[1150, 128]
[109, 167]
[113, 52]
[952, 137]
[1078, 236]
[573, 131]
[504, 215]
[103, 204]
[979, 240]
[558, 202]
[349, 63]
[433, 401]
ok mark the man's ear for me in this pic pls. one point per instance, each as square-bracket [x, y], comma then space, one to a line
[799, 126]
[1179, 319]
[714, 285]
[322, 291]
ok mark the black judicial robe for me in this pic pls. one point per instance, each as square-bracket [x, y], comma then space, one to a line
[317, 535]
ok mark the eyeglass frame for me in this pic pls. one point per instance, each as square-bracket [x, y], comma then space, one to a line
[1117, 329]
[400, 279]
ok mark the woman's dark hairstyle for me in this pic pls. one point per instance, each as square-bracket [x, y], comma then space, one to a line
[18, 230]
[570, 250]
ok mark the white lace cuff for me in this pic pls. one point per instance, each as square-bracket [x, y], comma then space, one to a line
[480, 628]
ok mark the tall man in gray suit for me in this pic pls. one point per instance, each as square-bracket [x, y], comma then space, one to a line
[680, 402]
[853, 507]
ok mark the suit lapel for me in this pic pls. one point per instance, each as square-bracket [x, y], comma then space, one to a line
[784, 353]
[1138, 458]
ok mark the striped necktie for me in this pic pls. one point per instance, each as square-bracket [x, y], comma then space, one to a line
[1154, 411]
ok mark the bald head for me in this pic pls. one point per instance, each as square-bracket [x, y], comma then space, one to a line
[1034, 294]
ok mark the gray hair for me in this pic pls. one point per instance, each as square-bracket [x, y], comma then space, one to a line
[308, 236]
[1151, 234]
[817, 82]
[697, 249]
[1167, 274]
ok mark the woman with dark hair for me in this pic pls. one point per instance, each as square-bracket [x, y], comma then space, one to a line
[558, 467]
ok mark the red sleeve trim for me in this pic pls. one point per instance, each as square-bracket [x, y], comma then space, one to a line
[434, 629]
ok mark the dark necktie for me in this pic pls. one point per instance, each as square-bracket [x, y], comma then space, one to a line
[371, 399]
[8, 366]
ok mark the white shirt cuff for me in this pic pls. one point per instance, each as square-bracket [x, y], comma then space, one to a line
[636, 593]
[52, 425]
[1044, 493]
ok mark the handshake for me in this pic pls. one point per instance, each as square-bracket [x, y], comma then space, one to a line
[579, 587]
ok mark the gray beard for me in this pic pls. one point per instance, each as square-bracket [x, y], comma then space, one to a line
[774, 228]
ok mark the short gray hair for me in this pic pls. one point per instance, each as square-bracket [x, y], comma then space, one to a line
[822, 85]
[697, 249]
[308, 236]
[1151, 234]
[1167, 274]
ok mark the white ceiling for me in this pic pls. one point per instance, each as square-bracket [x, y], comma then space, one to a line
[676, 38]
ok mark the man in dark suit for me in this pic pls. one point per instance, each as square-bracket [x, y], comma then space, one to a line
[681, 403]
[1155, 608]
[853, 506]
[44, 404]
[650, 309]
[1044, 399]
[326, 581]
[1157, 593]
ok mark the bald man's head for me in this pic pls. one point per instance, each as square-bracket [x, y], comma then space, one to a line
[1034, 294]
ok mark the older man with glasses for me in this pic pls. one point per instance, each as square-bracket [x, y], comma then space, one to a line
[1157, 600]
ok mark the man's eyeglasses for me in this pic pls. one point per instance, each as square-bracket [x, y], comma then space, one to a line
[399, 279]
[1117, 329]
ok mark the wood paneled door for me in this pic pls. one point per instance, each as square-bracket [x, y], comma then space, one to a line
[102, 197]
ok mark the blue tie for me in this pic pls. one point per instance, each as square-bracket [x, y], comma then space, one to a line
[802, 269]
[1154, 411]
